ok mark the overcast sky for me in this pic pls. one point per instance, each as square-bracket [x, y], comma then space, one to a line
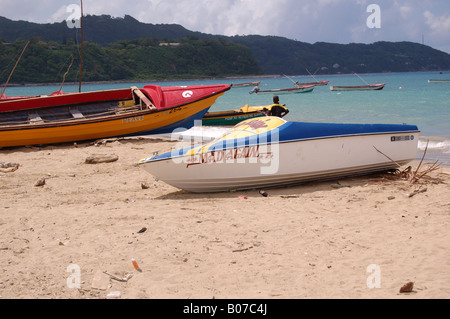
[336, 21]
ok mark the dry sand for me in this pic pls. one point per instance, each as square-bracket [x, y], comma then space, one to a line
[359, 237]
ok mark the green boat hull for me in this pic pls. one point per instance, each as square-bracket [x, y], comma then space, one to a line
[229, 119]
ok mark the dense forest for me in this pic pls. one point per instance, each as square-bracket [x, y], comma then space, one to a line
[140, 59]
[276, 53]
[126, 49]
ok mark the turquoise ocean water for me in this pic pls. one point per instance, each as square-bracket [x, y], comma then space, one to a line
[406, 98]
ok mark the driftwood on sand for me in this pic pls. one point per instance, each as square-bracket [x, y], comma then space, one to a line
[407, 173]
[101, 158]
[8, 167]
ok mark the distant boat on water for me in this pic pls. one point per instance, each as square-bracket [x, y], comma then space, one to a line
[369, 87]
[298, 89]
[315, 83]
[438, 81]
[240, 85]
[318, 83]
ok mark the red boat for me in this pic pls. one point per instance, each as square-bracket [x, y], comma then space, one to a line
[240, 85]
[318, 83]
[100, 114]
[162, 97]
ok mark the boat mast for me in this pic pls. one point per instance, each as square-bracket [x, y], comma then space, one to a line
[64, 76]
[4, 88]
[81, 51]
[290, 79]
[362, 79]
[313, 75]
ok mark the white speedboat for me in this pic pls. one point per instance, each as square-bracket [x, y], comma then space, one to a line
[271, 152]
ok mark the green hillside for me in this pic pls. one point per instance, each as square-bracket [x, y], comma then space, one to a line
[133, 60]
[281, 55]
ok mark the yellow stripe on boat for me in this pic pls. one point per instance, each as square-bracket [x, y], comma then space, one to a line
[243, 129]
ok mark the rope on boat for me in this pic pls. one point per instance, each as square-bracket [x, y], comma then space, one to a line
[3, 91]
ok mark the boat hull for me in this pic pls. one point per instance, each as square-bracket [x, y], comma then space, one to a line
[228, 118]
[296, 90]
[240, 85]
[439, 81]
[289, 161]
[372, 87]
[318, 83]
[142, 122]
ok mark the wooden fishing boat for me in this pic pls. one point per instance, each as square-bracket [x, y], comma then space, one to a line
[101, 114]
[439, 81]
[317, 83]
[233, 117]
[271, 152]
[369, 87]
[239, 85]
[299, 89]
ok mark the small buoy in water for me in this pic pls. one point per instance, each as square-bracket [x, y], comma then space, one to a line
[400, 88]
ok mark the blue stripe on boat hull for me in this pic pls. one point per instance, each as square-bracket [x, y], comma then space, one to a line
[303, 130]
[296, 131]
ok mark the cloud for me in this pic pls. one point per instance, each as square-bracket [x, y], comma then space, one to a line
[61, 14]
[439, 27]
[227, 17]
[440, 24]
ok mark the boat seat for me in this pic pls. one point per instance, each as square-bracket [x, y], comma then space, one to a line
[126, 104]
[143, 98]
[76, 113]
[157, 95]
[34, 118]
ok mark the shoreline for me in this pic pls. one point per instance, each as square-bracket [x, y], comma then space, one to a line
[265, 76]
[314, 240]
[140, 81]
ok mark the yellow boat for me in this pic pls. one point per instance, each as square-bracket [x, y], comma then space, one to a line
[101, 114]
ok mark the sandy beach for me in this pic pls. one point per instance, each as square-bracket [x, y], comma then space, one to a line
[74, 234]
